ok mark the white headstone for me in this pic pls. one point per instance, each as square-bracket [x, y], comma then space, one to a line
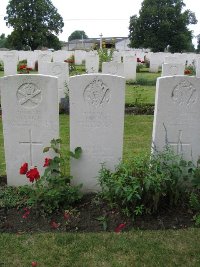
[113, 68]
[61, 71]
[10, 60]
[31, 59]
[30, 121]
[198, 67]
[130, 63]
[43, 58]
[92, 63]
[117, 57]
[59, 56]
[176, 117]
[79, 56]
[154, 62]
[96, 125]
[171, 69]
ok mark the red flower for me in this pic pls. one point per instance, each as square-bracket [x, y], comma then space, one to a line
[27, 212]
[24, 168]
[33, 263]
[119, 227]
[54, 225]
[33, 174]
[22, 67]
[46, 162]
[66, 215]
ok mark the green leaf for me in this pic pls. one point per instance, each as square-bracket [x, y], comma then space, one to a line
[77, 153]
[46, 149]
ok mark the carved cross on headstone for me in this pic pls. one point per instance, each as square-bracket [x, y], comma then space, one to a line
[179, 144]
[30, 143]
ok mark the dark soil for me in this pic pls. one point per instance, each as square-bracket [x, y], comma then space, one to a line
[92, 215]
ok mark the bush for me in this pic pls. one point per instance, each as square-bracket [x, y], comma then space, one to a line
[1, 65]
[145, 184]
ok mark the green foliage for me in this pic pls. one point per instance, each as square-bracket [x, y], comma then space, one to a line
[36, 23]
[77, 35]
[3, 41]
[162, 24]
[1, 65]
[53, 191]
[10, 197]
[146, 183]
[105, 55]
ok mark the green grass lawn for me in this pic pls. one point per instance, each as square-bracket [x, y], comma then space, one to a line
[132, 249]
[139, 94]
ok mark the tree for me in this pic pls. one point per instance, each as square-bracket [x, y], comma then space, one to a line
[35, 22]
[3, 41]
[162, 23]
[77, 35]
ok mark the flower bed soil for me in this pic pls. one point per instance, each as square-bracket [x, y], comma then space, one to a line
[92, 215]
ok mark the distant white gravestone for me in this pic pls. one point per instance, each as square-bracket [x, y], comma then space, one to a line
[171, 69]
[61, 71]
[176, 118]
[10, 60]
[96, 125]
[30, 121]
[113, 68]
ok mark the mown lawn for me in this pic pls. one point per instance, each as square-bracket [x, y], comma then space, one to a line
[135, 248]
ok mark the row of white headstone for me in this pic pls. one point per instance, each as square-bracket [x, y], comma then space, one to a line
[58, 68]
[31, 120]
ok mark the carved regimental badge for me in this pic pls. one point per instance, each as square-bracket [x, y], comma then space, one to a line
[185, 94]
[97, 93]
[29, 95]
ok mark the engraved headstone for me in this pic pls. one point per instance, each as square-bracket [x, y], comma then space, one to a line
[61, 71]
[176, 117]
[92, 63]
[10, 60]
[171, 69]
[113, 68]
[30, 121]
[96, 125]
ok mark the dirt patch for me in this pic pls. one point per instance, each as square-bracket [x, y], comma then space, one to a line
[92, 215]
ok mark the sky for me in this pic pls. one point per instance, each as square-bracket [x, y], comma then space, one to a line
[109, 17]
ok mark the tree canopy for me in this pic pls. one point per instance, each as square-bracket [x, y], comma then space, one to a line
[162, 24]
[36, 23]
[3, 41]
[77, 35]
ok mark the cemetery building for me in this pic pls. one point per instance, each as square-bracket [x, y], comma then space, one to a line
[94, 43]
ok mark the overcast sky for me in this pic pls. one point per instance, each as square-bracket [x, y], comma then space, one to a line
[109, 17]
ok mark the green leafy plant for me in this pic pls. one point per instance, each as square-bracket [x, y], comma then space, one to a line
[145, 183]
[103, 221]
[52, 191]
[105, 55]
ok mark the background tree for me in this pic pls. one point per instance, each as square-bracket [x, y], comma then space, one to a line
[3, 41]
[77, 35]
[162, 23]
[35, 22]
